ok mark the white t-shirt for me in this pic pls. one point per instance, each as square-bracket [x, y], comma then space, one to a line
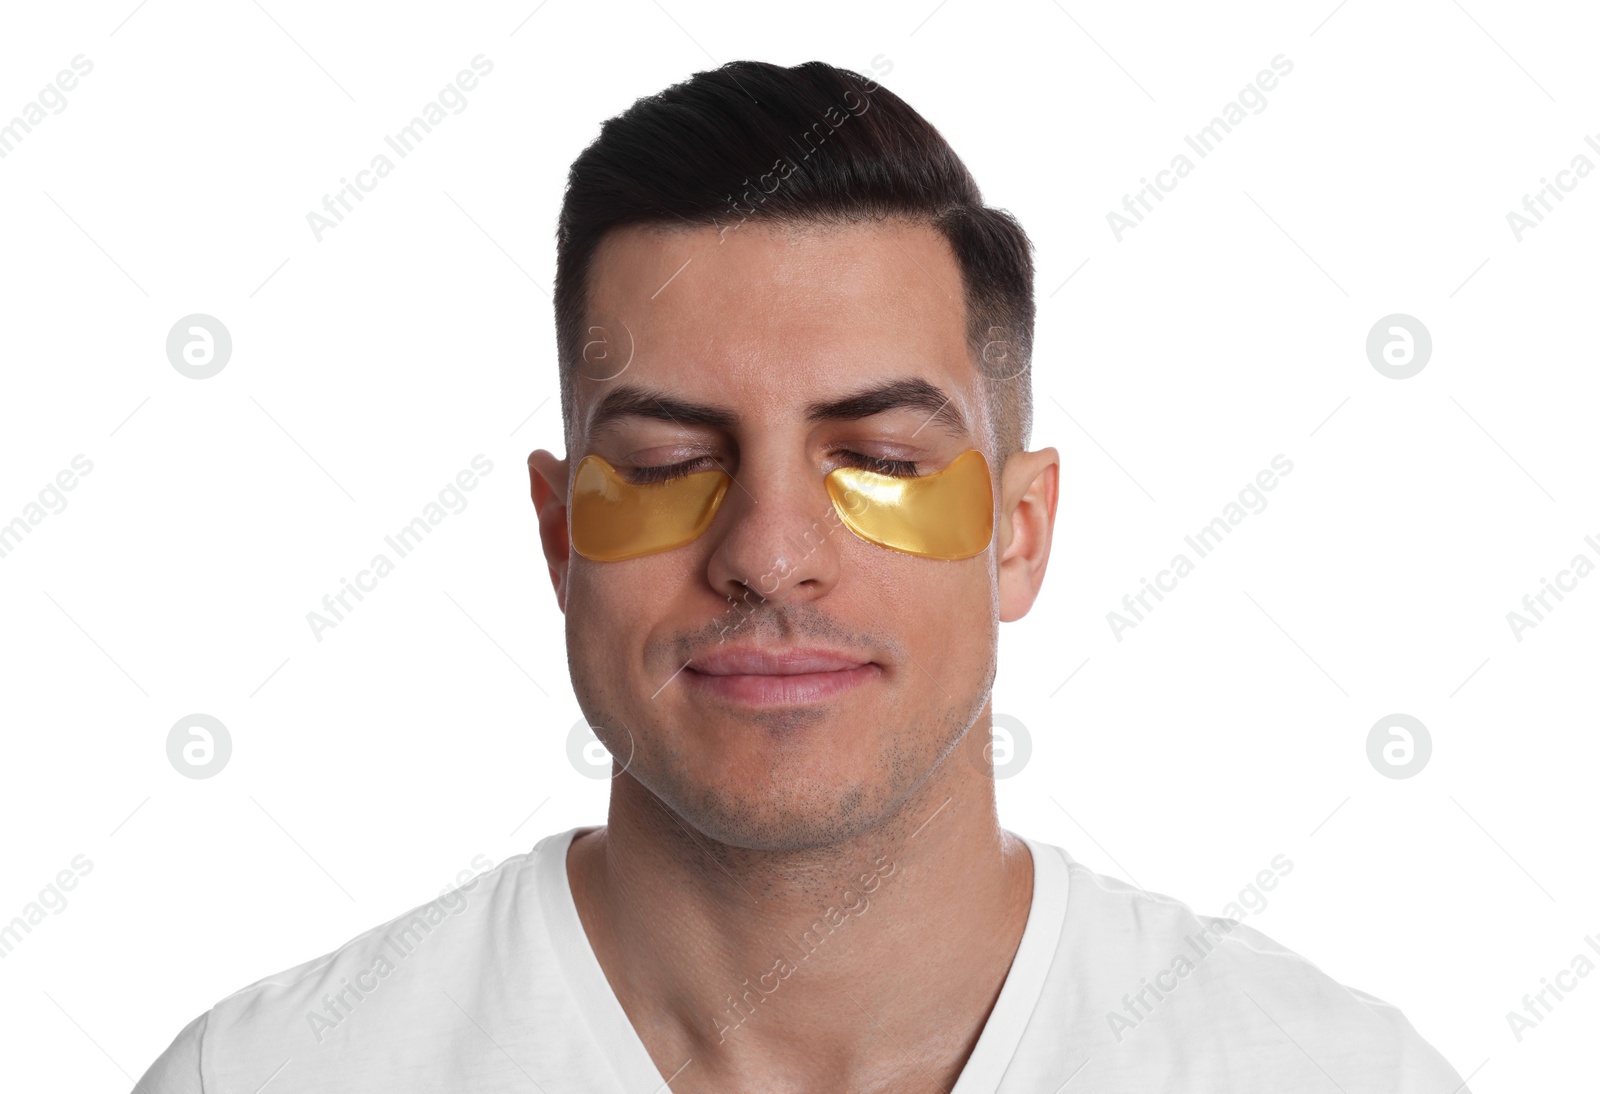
[495, 984]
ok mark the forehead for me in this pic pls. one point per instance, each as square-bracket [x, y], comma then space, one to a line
[768, 318]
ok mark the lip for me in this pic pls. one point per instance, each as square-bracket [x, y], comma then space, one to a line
[778, 677]
[787, 661]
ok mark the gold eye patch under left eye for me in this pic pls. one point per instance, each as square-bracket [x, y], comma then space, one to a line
[945, 515]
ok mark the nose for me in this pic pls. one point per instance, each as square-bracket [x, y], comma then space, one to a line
[778, 534]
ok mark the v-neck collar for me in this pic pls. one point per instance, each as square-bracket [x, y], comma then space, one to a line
[637, 1073]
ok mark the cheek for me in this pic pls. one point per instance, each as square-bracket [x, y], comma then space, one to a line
[612, 610]
[919, 588]
[616, 592]
[945, 613]
[968, 617]
[604, 601]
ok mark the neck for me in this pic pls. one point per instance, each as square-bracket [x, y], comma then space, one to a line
[832, 965]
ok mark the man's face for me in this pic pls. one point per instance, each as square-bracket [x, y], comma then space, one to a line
[761, 328]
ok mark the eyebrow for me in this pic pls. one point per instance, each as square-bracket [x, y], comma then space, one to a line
[913, 393]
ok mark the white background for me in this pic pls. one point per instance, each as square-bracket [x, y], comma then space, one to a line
[1230, 726]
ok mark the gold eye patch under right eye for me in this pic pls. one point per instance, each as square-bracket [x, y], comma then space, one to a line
[614, 519]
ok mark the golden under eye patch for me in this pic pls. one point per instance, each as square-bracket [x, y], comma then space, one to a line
[614, 519]
[946, 515]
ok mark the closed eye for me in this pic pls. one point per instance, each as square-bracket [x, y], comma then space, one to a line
[655, 476]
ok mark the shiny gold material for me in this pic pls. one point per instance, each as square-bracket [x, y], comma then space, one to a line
[947, 515]
[614, 519]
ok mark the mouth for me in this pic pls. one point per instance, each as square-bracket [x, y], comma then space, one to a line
[766, 678]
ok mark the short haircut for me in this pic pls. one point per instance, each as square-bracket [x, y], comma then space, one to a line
[841, 149]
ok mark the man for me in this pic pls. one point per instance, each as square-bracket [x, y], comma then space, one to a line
[797, 504]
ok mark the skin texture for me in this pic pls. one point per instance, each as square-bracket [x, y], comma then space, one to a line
[732, 829]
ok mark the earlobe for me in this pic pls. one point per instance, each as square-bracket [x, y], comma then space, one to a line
[547, 481]
[1029, 486]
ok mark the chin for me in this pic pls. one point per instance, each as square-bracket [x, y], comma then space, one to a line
[779, 832]
[760, 816]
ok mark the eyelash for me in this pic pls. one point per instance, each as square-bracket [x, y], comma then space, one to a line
[655, 476]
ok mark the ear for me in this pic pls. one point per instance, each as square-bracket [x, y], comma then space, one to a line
[547, 479]
[1028, 487]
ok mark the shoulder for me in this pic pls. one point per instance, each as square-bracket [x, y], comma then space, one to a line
[177, 1070]
[358, 999]
[1157, 985]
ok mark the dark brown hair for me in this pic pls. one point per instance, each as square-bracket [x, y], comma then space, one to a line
[842, 149]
